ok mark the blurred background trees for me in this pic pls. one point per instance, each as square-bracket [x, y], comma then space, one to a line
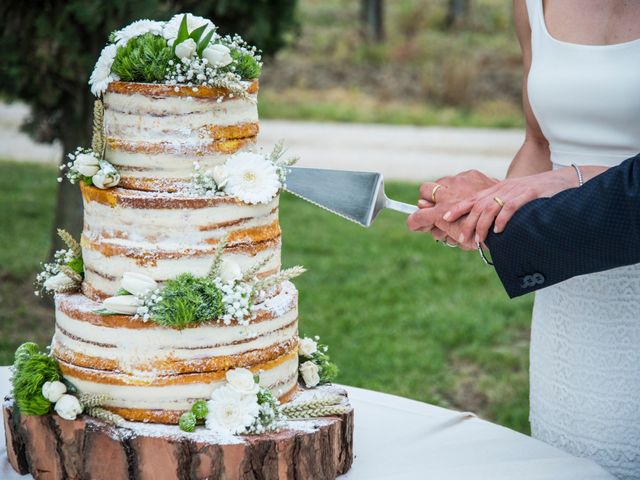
[49, 49]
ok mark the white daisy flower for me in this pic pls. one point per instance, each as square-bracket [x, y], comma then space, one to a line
[137, 28]
[170, 31]
[231, 411]
[251, 178]
[101, 76]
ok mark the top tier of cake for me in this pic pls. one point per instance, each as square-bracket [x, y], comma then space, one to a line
[154, 132]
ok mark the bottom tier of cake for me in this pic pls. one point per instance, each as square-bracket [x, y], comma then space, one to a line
[52, 448]
[153, 373]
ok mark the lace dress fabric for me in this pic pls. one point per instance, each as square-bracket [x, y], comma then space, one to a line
[585, 338]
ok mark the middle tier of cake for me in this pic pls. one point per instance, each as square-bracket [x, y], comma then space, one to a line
[165, 234]
[154, 373]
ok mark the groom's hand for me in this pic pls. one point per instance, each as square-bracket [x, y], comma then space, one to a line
[430, 220]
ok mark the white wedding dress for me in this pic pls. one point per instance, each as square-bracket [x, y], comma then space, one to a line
[585, 338]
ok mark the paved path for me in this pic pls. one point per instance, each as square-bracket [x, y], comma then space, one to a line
[399, 152]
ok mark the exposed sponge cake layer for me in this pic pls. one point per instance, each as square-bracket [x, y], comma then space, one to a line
[131, 346]
[155, 132]
[165, 234]
[163, 399]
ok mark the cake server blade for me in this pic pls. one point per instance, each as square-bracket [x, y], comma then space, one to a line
[356, 196]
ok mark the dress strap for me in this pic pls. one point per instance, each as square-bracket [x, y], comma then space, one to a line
[534, 8]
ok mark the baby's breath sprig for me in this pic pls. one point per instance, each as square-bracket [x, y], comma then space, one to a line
[66, 272]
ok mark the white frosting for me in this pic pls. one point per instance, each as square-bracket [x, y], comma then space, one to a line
[179, 124]
[169, 228]
[279, 379]
[110, 269]
[163, 166]
[134, 349]
[173, 240]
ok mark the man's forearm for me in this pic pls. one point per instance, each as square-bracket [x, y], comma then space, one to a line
[583, 230]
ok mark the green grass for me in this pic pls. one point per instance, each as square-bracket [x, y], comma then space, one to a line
[401, 313]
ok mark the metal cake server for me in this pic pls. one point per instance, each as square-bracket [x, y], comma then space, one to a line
[356, 196]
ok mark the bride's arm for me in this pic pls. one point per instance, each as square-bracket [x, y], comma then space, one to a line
[533, 156]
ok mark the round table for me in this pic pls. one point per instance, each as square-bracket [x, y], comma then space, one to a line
[401, 439]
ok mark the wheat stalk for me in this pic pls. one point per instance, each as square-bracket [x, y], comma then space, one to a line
[278, 278]
[72, 274]
[97, 142]
[70, 242]
[249, 274]
[89, 400]
[314, 408]
[217, 256]
[105, 416]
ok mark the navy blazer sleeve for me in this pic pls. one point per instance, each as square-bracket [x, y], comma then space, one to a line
[582, 230]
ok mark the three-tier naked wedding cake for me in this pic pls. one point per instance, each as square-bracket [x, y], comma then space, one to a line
[173, 308]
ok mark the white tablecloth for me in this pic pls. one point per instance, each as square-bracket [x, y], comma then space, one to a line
[401, 439]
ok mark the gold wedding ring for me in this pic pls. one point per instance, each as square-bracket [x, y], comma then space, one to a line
[434, 191]
[499, 201]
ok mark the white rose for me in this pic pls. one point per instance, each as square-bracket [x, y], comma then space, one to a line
[123, 304]
[137, 283]
[310, 374]
[106, 178]
[230, 271]
[52, 391]
[241, 380]
[217, 55]
[186, 49]
[86, 164]
[58, 283]
[230, 411]
[307, 347]
[220, 176]
[68, 407]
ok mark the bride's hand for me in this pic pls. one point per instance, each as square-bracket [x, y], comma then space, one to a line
[499, 202]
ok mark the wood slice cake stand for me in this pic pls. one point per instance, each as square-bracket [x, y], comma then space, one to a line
[51, 448]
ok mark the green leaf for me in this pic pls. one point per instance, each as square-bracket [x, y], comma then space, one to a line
[197, 33]
[204, 42]
[77, 265]
[183, 32]
[122, 291]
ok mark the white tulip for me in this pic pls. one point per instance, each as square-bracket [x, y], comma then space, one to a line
[52, 391]
[307, 347]
[242, 381]
[123, 304]
[137, 283]
[186, 49]
[59, 283]
[68, 407]
[86, 164]
[220, 176]
[310, 374]
[217, 55]
[106, 178]
[230, 271]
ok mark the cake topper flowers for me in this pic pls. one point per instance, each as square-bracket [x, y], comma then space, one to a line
[186, 50]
